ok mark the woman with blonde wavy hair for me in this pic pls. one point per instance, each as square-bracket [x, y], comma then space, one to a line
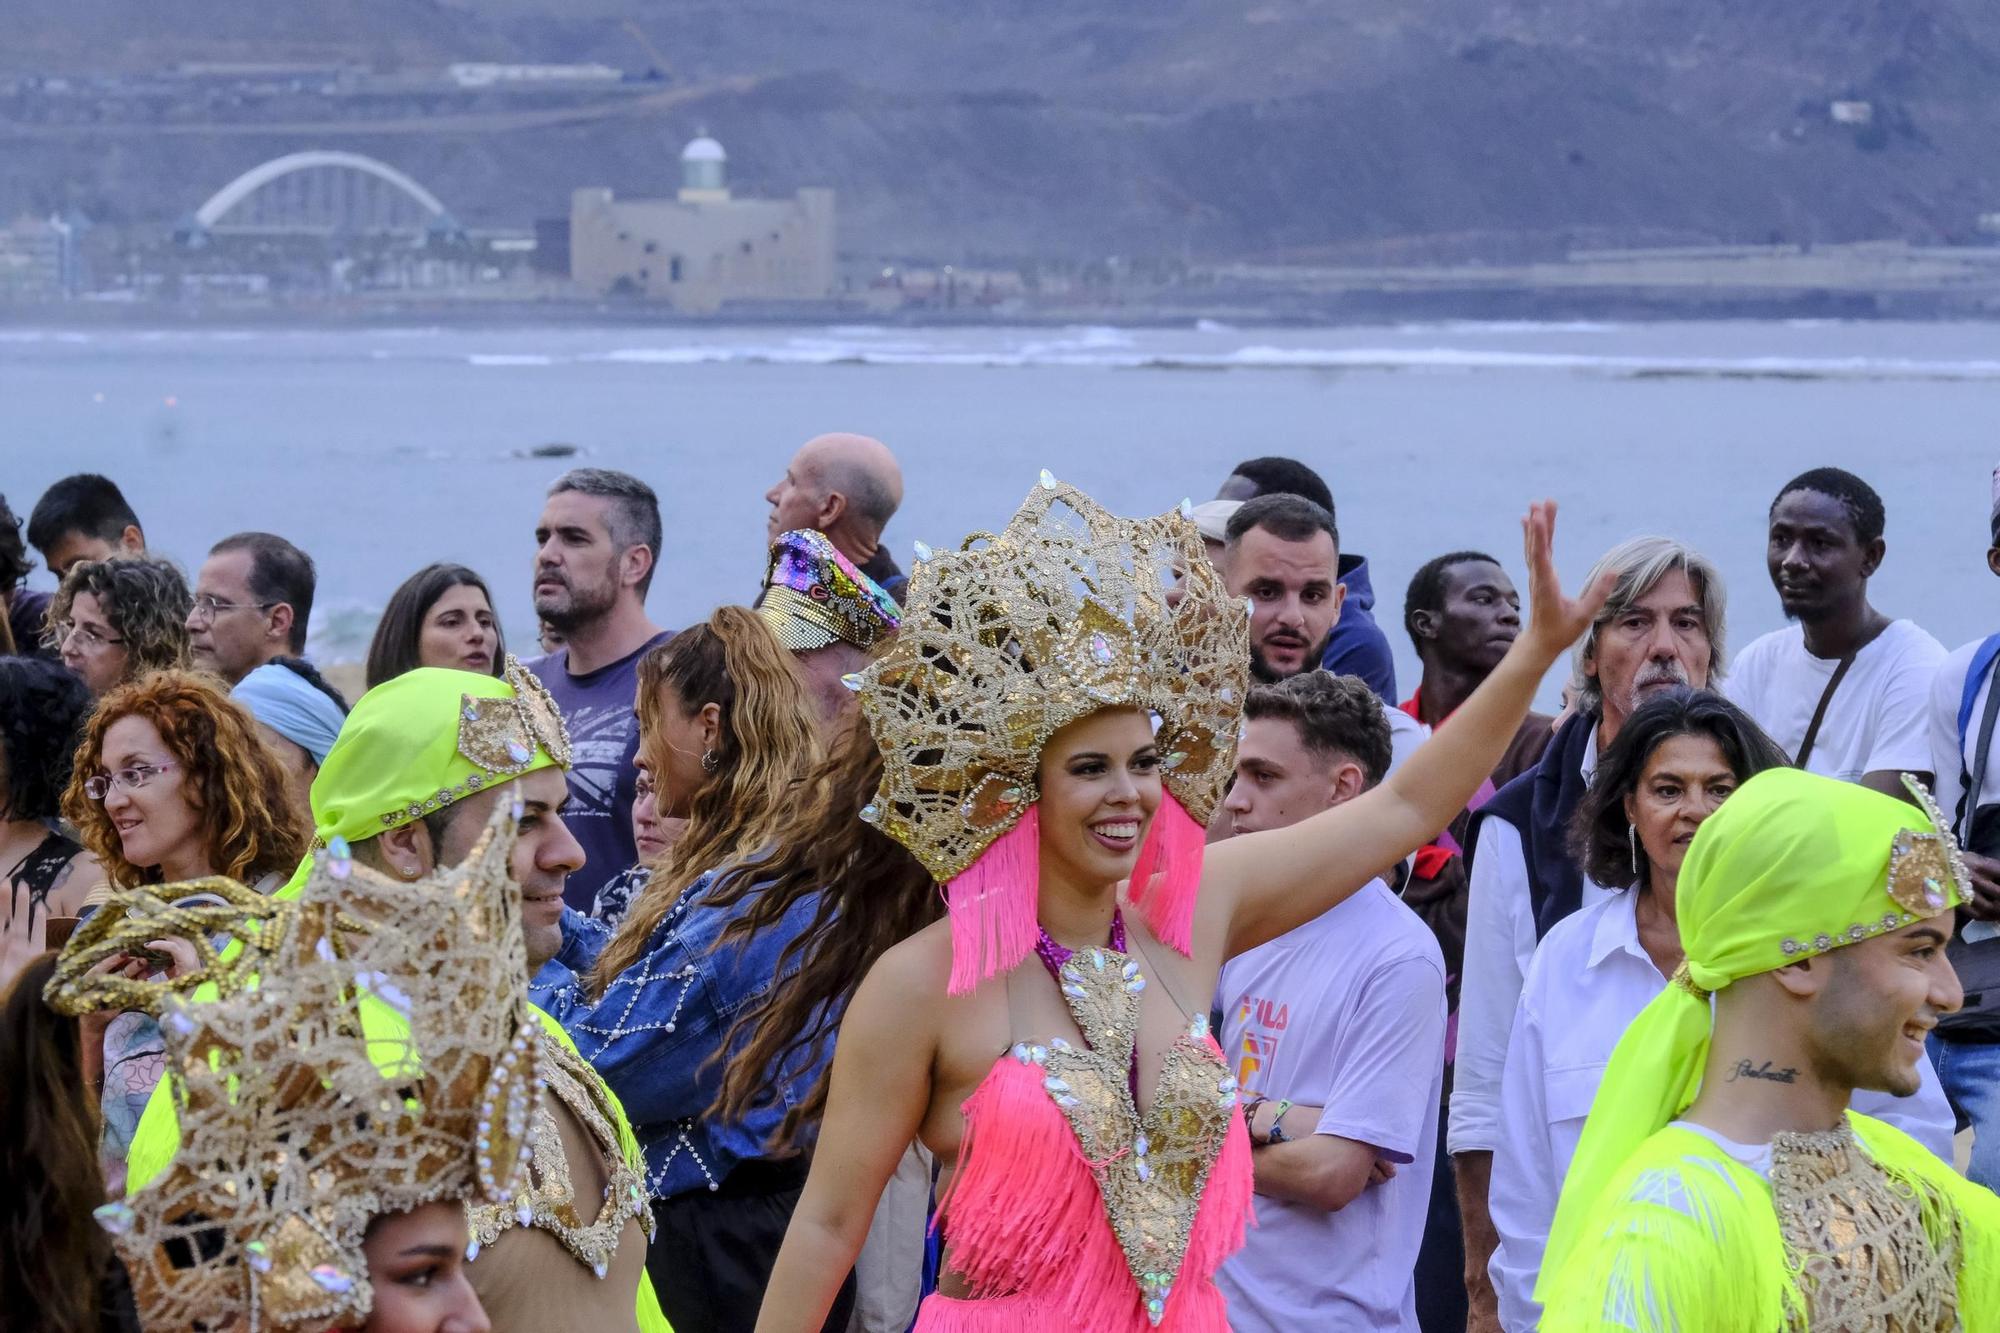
[172, 782]
[732, 744]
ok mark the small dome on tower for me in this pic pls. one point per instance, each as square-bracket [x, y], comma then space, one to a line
[703, 149]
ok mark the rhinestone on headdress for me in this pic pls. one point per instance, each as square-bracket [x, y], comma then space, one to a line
[1927, 872]
[1016, 635]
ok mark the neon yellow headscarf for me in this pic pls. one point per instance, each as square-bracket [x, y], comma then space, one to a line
[395, 761]
[1792, 865]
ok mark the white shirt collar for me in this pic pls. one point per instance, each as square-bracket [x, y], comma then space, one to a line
[1617, 931]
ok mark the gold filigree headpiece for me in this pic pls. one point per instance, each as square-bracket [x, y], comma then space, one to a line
[367, 1050]
[1925, 869]
[1005, 641]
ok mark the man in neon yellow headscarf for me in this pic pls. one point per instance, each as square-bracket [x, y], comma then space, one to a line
[419, 767]
[1721, 1185]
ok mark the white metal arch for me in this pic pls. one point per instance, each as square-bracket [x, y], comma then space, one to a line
[255, 179]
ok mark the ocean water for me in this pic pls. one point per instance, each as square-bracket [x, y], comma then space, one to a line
[381, 450]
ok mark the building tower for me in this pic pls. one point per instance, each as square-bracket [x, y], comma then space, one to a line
[704, 172]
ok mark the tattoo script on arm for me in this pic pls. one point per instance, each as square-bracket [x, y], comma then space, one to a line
[1744, 1069]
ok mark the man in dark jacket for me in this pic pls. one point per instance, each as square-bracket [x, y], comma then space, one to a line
[1357, 646]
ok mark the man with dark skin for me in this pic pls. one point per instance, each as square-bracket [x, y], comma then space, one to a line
[1865, 677]
[1462, 613]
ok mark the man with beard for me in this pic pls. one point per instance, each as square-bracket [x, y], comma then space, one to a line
[1845, 690]
[1284, 555]
[597, 545]
[1356, 645]
[1662, 625]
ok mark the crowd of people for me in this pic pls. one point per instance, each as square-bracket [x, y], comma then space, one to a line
[985, 949]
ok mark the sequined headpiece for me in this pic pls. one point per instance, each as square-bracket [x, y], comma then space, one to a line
[1007, 640]
[370, 1049]
[815, 596]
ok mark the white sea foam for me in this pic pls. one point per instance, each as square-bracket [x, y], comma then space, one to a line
[509, 359]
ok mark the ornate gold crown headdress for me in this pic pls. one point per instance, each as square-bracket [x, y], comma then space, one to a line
[1927, 869]
[370, 1049]
[1014, 636]
[500, 735]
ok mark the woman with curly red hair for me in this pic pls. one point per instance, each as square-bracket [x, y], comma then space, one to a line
[172, 782]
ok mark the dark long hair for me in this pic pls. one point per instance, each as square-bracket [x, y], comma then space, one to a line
[872, 895]
[52, 1252]
[399, 634]
[1599, 833]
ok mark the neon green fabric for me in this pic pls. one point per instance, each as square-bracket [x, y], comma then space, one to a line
[1686, 1240]
[398, 751]
[1791, 865]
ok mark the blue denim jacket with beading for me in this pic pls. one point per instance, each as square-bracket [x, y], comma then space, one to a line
[654, 1031]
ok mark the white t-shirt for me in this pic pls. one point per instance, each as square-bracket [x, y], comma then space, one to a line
[1877, 719]
[1345, 1012]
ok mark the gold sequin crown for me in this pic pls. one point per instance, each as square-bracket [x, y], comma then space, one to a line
[367, 1050]
[1012, 637]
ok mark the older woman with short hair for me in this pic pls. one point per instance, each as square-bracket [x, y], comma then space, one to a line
[115, 620]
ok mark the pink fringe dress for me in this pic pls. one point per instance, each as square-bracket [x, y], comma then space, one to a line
[1061, 1217]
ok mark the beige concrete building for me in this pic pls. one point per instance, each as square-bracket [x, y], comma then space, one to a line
[704, 246]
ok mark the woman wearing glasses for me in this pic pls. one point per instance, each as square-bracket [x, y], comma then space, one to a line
[172, 782]
[114, 620]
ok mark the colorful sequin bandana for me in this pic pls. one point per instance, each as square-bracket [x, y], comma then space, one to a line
[814, 596]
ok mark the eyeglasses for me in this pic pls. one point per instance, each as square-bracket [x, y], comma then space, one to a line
[207, 607]
[131, 779]
[93, 638]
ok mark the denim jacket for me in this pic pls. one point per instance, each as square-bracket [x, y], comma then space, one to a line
[654, 1031]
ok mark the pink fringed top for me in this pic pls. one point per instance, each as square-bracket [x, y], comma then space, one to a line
[1068, 1210]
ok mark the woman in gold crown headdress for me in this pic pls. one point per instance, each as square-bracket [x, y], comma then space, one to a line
[1056, 720]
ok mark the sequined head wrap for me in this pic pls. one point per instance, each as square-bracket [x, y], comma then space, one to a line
[302, 1120]
[1009, 639]
[1791, 866]
[815, 596]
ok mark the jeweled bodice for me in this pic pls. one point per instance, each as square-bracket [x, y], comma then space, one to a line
[1865, 1261]
[1151, 1169]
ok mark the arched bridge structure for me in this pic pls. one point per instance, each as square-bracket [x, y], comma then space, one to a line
[323, 192]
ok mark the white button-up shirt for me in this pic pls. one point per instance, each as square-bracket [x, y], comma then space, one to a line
[1499, 941]
[1587, 982]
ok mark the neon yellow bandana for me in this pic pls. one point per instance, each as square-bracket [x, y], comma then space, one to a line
[1792, 865]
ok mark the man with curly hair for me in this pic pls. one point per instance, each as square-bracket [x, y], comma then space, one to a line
[115, 620]
[42, 708]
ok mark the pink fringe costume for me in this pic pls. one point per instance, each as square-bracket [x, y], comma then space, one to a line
[1068, 1210]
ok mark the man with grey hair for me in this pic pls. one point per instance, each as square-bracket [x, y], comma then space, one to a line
[847, 487]
[1662, 626]
[597, 545]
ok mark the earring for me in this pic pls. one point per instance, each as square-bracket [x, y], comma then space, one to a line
[1632, 837]
[710, 761]
[411, 872]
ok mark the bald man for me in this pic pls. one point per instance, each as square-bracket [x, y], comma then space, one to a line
[848, 487]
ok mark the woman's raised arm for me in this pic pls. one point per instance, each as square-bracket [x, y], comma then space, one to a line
[1273, 881]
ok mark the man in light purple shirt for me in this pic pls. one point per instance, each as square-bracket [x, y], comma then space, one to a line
[596, 547]
[1336, 1032]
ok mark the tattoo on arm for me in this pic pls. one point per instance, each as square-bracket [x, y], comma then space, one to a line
[1744, 1069]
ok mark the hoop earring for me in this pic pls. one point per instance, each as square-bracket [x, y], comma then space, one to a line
[1632, 837]
[710, 761]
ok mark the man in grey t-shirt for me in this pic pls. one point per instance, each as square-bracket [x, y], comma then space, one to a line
[597, 543]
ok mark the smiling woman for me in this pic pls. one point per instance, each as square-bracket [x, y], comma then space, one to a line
[172, 782]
